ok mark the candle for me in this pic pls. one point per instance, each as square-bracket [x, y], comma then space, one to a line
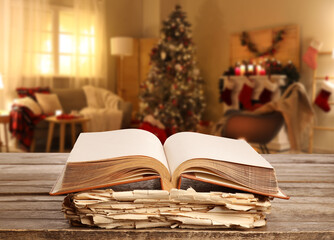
[237, 71]
[258, 69]
[250, 69]
[242, 70]
[263, 71]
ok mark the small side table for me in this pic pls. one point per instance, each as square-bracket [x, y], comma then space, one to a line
[4, 119]
[62, 122]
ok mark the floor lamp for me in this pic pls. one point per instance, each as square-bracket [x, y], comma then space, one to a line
[121, 46]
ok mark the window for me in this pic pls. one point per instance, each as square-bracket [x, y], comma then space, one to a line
[66, 47]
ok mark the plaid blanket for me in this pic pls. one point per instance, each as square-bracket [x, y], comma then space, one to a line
[22, 124]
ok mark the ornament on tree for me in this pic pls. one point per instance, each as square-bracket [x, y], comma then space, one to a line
[178, 67]
[322, 99]
[310, 57]
[163, 55]
[176, 98]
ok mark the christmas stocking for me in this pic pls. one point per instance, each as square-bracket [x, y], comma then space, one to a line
[268, 91]
[226, 93]
[245, 95]
[258, 87]
[281, 81]
[323, 96]
[310, 57]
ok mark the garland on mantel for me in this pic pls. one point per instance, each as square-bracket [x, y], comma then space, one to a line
[245, 41]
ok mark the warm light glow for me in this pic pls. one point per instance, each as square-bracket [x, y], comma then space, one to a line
[1, 83]
[45, 64]
[66, 21]
[86, 45]
[65, 67]
[66, 43]
[333, 53]
[89, 31]
[46, 42]
[242, 70]
[68, 49]
[58, 112]
[250, 68]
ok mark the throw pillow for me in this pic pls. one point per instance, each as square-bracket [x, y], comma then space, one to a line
[30, 104]
[49, 102]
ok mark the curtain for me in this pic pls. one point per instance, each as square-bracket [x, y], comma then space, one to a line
[21, 21]
[89, 38]
[34, 54]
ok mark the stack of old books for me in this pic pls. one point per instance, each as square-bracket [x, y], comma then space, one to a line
[159, 208]
[102, 161]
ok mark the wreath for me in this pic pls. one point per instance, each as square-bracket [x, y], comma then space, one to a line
[246, 41]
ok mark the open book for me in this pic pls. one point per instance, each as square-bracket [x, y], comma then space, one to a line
[104, 159]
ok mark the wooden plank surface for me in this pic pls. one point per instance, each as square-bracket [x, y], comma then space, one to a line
[28, 212]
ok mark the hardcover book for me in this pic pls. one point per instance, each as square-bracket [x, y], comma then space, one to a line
[105, 159]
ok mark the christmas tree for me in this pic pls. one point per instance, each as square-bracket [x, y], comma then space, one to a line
[173, 91]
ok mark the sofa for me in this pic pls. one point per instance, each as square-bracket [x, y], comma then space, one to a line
[70, 100]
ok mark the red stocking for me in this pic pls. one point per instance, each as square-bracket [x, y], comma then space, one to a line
[323, 96]
[226, 95]
[310, 57]
[265, 96]
[245, 97]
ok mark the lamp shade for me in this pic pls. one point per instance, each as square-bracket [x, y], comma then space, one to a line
[122, 46]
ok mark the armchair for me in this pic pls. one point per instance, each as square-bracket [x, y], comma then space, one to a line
[254, 128]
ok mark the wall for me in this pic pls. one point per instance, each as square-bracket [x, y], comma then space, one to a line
[151, 19]
[213, 21]
[131, 18]
[124, 18]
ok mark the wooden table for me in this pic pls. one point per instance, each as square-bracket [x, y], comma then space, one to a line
[62, 122]
[4, 119]
[28, 212]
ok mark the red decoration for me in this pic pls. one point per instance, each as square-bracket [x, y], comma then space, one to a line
[322, 100]
[245, 97]
[226, 96]
[160, 133]
[237, 71]
[30, 92]
[65, 116]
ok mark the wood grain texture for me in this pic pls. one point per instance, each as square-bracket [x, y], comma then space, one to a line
[28, 212]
